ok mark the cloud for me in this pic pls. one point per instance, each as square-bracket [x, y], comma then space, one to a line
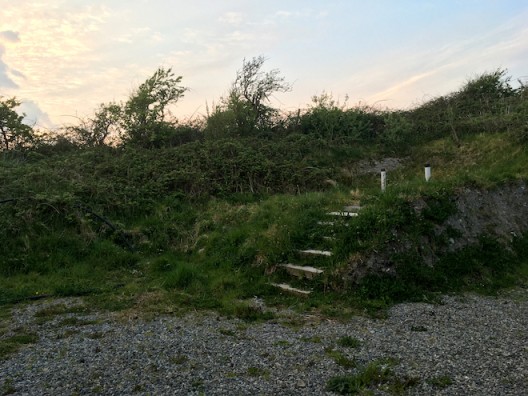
[35, 116]
[10, 36]
[5, 80]
[232, 18]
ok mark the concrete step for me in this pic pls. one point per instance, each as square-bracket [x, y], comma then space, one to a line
[302, 271]
[292, 290]
[332, 223]
[316, 252]
[343, 214]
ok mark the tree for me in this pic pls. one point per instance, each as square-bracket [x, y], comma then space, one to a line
[95, 131]
[252, 89]
[144, 114]
[14, 133]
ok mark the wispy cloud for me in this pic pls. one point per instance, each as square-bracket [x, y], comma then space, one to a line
[5, 79]
[9, 35]
[69, 56]
[35, 116]
[232, 18]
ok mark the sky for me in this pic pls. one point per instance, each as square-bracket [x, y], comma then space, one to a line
[62, 58]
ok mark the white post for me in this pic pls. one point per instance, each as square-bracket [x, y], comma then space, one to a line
[383, 179]
[427, 171]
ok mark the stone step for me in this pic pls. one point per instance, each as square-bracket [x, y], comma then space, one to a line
[343, 214]
[331, 223]
[302, 271]
[292, 290]
[316, 252]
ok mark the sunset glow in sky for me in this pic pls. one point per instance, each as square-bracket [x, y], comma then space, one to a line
[64, 57]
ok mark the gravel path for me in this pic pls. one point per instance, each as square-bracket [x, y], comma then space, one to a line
[468, 345]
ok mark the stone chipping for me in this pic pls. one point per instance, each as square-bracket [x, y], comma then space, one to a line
[480, 344]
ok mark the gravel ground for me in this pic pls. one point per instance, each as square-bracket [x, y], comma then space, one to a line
[468, 345]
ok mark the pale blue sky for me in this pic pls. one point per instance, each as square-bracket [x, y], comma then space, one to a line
[64, 57]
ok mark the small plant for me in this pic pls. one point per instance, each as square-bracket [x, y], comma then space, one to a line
[227, 332]
[419, 328]
[179, 359]
[198, 384]
[375, 374]
[12, 344]
[68, 333]
[7, 387]
[314, 339]
[442, 381]
[340, 359]
[96, 335]
[74, 321]
[348, 342]
[257, 372]
[48, 313]
[250, 313]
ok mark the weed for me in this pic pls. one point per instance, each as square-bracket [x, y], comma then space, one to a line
[314, 339]
[48, 313]
[375, 375]
[348, 342]
[227, 332]
[419, 328]
[442, 381]
[178, 359]
[68, 333]
[340, 359]
[7, 387]
[96, 335]
[138, 388]
[258, 372]
[74, 321]
[13, 343]
[252, 314]
[198, 384]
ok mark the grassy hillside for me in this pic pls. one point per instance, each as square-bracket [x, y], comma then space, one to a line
[203, 221]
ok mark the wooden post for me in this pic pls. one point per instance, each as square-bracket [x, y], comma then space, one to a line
[383, 179]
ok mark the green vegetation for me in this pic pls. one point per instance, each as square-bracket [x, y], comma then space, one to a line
[136, 211]
[7, 387]
[348, 342]
[258, 372]
[11, 344]
[441, 382]
[375, 375]
[340, 359]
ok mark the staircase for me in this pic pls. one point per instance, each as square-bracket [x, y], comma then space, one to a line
[306, 273]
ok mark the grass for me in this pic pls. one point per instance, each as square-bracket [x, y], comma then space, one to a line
[375, 375]
[258, 372]
[349, 342]
[179, 359]
[218, 253]
[7, 387]
[441, 382]
[340, 359]
[11, 344]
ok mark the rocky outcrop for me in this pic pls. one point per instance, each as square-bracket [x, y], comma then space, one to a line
[501, 213]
